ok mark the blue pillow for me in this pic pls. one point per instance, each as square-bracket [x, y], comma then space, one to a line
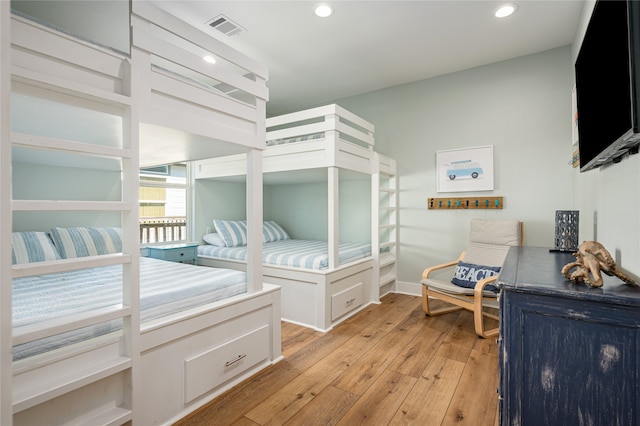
[87, 241]
[273, 232]
[468, 274]
[32, 246]
[232, 232]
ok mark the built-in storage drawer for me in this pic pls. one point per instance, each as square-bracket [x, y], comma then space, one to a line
[209, 369]
[347, 300]
[221, 347]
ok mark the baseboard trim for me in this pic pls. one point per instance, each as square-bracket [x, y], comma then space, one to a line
[413, 289]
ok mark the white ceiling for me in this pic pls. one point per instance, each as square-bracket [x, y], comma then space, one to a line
[371, 45]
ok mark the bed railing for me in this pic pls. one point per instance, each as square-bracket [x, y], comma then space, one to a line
[319, 137]
[318, 123]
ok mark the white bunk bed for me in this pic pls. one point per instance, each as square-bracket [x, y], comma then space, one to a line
[153, 371]
[330, 139]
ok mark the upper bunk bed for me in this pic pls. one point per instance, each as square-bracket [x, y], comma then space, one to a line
[327, 136]
[80, 119]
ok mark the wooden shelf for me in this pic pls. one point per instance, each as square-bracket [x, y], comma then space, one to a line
[453, 203]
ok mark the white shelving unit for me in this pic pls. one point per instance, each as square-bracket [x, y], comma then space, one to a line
[384, 222]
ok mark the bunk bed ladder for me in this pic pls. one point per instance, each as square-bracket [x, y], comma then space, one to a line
[112, 365]
[384, 223]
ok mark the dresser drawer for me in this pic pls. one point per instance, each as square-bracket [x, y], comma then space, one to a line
[347, 300]
[207, 370]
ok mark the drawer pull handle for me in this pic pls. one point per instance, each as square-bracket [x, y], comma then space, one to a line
[350, 301]
[239, 358]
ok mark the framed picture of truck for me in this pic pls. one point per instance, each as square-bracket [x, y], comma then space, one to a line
[465, 169]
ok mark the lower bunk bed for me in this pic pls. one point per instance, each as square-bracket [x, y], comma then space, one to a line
[313, 294]
[201, 333]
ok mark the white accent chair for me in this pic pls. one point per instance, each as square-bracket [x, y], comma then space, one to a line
[489, 242]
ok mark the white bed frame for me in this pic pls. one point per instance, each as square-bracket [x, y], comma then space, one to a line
[157, 372]
[322, 299]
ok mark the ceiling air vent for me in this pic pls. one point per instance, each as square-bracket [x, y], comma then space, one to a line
[225, 25]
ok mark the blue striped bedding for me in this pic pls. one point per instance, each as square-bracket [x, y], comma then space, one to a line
[165, 288]
[307, 254]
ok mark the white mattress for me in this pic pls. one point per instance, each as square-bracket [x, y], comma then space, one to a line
[307, 254]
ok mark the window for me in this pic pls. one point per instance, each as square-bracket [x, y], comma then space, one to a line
[163, 203]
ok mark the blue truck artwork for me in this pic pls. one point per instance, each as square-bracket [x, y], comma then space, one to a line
[463, 168]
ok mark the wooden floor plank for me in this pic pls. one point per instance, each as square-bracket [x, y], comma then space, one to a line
[381, 401]
[473, 402]
[359, 376]
[326, 409]
[293, 342]
[429, 399]
[414, 358]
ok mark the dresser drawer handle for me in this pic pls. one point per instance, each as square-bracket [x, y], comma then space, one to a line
[350, 301]
[239, 358]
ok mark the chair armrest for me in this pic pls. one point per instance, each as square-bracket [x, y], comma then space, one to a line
[426, 272]
[480, 285]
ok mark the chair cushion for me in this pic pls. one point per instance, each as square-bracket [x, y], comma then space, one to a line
[497, 232]
[468, 274]
[447, 287]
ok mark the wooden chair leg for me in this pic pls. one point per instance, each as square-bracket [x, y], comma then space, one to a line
[478, 321]
[433, 312]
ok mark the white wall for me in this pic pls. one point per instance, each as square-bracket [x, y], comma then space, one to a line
[302, 209]
[522, 107]
[33, 181]
[609, 197]
[217, 200]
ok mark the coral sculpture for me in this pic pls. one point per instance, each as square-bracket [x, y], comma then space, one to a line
[592, 259]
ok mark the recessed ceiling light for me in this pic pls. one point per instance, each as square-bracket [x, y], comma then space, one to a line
[323, 10]
[210, 59]
[505, 10]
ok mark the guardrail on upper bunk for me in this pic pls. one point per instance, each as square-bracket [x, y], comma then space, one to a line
[345, 139]
[225, 101]
[328, 136]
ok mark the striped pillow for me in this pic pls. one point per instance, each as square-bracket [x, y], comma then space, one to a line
[273, 232]
[232, 232]
[81, 241]
[32, 246]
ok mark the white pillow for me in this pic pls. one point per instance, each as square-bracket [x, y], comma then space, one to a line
[213, 239]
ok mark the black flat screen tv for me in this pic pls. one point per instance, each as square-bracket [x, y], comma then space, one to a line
[607, 72]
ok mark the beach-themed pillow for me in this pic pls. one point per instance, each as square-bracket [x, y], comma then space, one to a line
[468, 274]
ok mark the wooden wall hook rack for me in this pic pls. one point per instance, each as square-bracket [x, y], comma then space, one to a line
[452, 203]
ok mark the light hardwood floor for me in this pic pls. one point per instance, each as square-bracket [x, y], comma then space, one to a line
[387, 365]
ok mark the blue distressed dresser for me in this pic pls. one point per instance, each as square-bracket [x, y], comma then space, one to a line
[569, 353]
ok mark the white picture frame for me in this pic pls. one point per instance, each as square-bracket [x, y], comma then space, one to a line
[465, 169]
